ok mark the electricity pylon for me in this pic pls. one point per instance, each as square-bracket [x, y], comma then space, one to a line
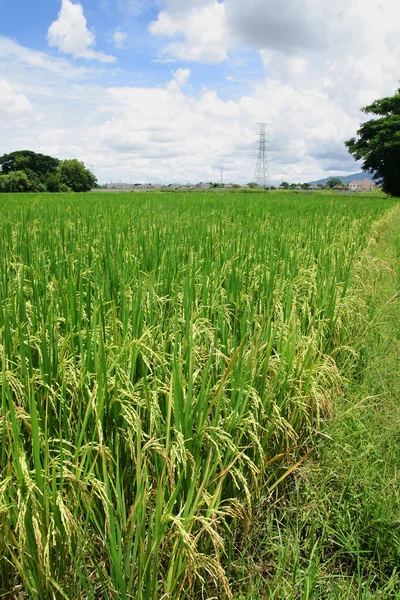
[261, 175]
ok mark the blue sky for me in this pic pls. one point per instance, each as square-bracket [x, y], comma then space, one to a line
[172, 90]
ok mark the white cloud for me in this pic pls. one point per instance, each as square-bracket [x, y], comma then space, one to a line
[203, 30]
[165, 25]
[69, 33]
[119, 38]
[208, 31]
[180, 79]
[169, 132]
[172, 134]
[14, 55]
[13, 104]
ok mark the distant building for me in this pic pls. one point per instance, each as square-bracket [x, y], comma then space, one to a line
[366, 185]
[118, 186]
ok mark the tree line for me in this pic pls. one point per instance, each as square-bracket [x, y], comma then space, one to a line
[331, 184]
[27, 171]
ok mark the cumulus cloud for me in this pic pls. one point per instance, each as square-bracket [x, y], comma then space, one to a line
[202, 28]
[69, 33]
[173, 133]
[208, 31]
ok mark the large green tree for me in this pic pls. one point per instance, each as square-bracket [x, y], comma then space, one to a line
[333, 182]
[43, 173]
[74, 174]
[378, 143]
[26, 160]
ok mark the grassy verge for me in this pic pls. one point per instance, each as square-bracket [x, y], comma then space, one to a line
[336, 534]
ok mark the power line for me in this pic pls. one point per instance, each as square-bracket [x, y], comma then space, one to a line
[261, 175]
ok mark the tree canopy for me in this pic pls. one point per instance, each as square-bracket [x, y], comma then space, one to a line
[378, 143]
[27, 171]
[26, 160]
[333, 182]
[16, 181]
[74, 175]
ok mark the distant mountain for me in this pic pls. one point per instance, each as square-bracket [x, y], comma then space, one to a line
[344, 178]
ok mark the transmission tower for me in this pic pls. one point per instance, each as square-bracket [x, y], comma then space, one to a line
[261, 175]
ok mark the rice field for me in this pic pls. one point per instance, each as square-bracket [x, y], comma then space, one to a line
[164, 360]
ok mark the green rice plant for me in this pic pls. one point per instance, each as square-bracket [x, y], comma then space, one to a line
[333, 531]
[164, 358]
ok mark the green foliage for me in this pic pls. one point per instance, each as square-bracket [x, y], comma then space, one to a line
[285, 185]
[16, 181]
[43, 173]
[335, 531]
[26, 160]
[163, 358]
[53, 182]
[74, 175]
[378, 143]
[333, 182]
